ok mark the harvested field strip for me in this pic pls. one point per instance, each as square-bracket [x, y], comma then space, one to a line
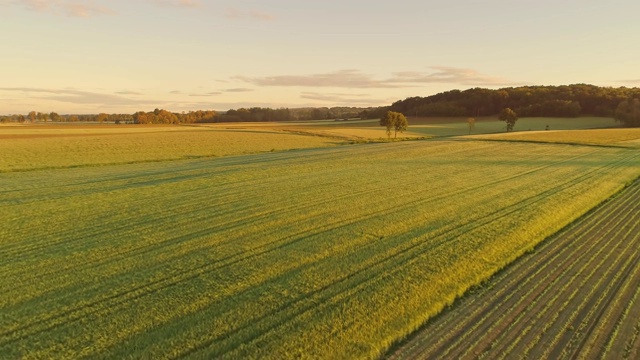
[331, 252]
[574, 297]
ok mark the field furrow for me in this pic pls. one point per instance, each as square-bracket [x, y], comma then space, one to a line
[335, 252]
[509, 304]
[563, 301]
[555, 258]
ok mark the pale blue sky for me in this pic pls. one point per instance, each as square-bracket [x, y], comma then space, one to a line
[74, 56]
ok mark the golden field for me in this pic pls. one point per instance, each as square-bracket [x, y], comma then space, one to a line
[329, 251]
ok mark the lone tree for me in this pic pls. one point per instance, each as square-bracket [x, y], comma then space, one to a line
[509, 116]
[472, 124]
[55, 117]
[394, 120]
[628, 112]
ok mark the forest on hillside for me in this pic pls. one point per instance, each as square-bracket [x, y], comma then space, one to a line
[526, 101]
[161, 116]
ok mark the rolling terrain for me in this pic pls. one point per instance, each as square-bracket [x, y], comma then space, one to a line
[333, 252]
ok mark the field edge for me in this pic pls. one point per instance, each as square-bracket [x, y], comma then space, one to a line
[399, 343]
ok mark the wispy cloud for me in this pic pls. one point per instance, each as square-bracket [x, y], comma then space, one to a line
[213, 93]
[204, 93]
[70, 8]
[235, 13]
[445, 74]
[343, 99]
[351, 78]
[25, 99]
[630, 81]
[78, 97]
[126, 92]
[342, 79]
[179, 3]
[237, 90]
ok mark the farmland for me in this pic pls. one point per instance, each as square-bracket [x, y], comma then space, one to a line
[59, 146]
[605, 137]
[428, 127]
[332, 252]
[578, 295]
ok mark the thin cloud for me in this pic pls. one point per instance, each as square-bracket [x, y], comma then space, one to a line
[189, 4]
[449, 75]
[79, 97]
[97, 102]
[342, 79]
[69, 8]
[38, 5]
[259, 15]
[128, 93]
[238, 14]
[630, 81]
[340, 98]
[206, 94]
[212, 93]
[236, 90]
[329, 96]
[351, 78]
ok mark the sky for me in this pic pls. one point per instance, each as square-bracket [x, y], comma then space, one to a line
[123, 56]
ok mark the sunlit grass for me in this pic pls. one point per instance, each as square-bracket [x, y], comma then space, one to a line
[39, 147]
[629, 137]
[427, 126]
[332, 253]
[487, 125]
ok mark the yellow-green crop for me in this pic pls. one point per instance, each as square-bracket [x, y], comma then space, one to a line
[331, 253]
[58, 146]
[626, 137]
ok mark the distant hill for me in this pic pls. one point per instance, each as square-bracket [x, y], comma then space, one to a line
[526, 101]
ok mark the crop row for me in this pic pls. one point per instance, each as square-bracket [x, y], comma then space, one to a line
[333, 252]
[572, 297]
[559, 257]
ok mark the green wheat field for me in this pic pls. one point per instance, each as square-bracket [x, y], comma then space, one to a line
[331, 252]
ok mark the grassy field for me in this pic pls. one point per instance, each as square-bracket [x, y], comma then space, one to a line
[577, 296]
[607, 137]
[59, 146]
[487, 125]
[335, 252]
[64, 145]
[426, 127]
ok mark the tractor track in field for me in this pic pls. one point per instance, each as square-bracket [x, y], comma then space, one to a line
[574, 297]
[307, 241]
[122, 297]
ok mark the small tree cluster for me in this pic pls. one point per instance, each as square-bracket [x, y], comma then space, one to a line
[394, 121]
[509, 116]
[628, 112]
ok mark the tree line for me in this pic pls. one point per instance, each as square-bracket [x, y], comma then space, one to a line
[258, 114]
[526, 101]
[34, 116]
[161, 116]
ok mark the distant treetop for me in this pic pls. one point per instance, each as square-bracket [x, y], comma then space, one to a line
[555, 101]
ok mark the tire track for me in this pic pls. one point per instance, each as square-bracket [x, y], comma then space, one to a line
[617, 264]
